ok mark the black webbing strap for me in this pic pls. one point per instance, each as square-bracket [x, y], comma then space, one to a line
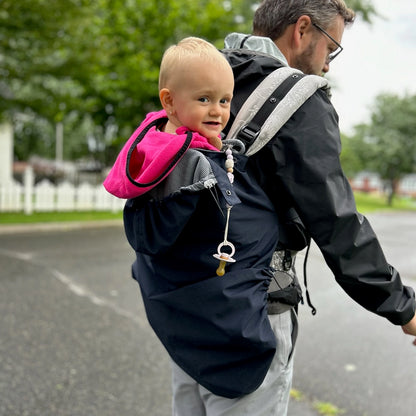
[305, 281]
[249, 132]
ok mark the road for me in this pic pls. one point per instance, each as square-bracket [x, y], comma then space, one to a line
[350, 357]
[74, 340]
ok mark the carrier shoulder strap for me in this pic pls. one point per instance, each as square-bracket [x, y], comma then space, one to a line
[271, 105]
[263, 114]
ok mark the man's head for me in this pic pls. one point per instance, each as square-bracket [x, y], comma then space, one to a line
[196, 87]
[308, 32]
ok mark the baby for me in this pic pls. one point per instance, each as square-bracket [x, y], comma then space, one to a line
[195, 89]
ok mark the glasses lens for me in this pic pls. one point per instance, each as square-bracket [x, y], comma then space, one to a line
[339, 49]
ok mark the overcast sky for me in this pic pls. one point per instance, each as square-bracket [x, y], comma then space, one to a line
[377, 58]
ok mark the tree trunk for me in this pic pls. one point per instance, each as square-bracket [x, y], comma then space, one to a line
[392, 190]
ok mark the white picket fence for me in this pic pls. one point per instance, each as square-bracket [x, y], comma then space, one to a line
[45, 196]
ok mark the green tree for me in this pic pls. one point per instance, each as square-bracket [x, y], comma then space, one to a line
[36, 49]
[97, 60]
[134, 35]
[387, 145]
[94, 65]
[363, 8]
[43, 61]
[353, 147]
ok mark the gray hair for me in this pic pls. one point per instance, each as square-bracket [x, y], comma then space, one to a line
[272, 17]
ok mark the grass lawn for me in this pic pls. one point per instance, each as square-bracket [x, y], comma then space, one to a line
[366, 204]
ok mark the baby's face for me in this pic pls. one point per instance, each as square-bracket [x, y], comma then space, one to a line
[202, 97]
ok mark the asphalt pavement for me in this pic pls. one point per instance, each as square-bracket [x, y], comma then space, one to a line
[69, 345]
[74, 339]
[67, 349]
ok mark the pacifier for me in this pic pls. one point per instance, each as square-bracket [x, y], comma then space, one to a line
[224, 257]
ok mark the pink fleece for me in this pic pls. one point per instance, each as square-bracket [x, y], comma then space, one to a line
[149, 159]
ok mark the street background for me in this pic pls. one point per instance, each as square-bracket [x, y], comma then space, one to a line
[74, 339]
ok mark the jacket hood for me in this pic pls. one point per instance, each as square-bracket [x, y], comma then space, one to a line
[254, 43]
[149, 156]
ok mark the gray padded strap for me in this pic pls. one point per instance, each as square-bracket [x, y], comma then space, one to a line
[299, 93]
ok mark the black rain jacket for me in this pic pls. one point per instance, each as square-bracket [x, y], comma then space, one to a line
[300, 167]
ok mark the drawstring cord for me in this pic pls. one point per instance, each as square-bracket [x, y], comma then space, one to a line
[308, 298]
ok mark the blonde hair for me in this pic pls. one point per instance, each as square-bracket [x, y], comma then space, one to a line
[177, 56]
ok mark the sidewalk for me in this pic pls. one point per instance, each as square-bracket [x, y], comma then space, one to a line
[53, 226]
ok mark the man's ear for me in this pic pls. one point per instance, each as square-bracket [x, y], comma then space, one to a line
[166, 99]
[303, 28]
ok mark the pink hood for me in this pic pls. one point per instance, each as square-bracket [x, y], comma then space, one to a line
[151, 160]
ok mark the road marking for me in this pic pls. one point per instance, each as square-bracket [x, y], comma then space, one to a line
[77, 289]
[350, 368]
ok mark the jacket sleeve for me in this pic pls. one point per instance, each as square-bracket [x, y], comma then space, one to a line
[301, 164]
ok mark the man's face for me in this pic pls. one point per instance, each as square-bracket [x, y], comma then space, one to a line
[313, 59]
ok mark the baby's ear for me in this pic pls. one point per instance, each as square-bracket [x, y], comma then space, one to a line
[166, 100]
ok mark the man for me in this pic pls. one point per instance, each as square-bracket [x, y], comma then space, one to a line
[228, 357]
[301, 165]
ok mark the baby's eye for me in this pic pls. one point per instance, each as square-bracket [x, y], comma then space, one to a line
[203, 99]
[224, 101]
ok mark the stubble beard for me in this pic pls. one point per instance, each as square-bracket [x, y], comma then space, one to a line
[303, 62]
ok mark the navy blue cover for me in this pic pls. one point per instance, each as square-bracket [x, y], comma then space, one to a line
[215, 328]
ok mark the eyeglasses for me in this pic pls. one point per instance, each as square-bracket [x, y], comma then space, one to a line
[339, 49]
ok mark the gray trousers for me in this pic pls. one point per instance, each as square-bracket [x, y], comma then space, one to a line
[270, 399]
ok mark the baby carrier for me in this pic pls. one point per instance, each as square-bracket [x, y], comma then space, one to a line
[259, 110]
